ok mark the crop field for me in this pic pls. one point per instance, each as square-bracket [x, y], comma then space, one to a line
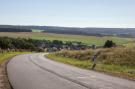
[64, 37]
[37, 30]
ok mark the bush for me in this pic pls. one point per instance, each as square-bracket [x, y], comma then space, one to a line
[109, 44]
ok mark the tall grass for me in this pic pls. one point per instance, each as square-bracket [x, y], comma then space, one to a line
[81, 54]
[118, 61]
[118, 56]
[123, 56]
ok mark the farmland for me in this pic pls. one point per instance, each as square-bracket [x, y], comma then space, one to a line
[51, 36]
[37, 30]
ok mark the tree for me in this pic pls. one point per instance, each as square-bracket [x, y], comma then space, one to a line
[58, 44]
[109, 44]
[5, 43]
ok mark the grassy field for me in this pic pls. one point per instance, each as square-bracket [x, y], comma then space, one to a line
[37, 30]
[7, 55]
[117, 70]
[90, 40]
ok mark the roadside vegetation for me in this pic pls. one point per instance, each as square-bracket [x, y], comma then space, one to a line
[119, 61]
[4, 57]
[7, 55]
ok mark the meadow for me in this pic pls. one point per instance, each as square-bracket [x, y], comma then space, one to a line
[37, 30]
[89, 40]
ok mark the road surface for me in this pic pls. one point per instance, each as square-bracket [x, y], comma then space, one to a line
[33, 71]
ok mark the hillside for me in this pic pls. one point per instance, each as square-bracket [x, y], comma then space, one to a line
[122, 32]
[90, 40]
[14, 30]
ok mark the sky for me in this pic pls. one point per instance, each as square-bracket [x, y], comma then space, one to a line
[69, 13]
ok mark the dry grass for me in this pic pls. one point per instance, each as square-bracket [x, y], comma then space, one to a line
[123, 56]
[81, 54]
[118, 61]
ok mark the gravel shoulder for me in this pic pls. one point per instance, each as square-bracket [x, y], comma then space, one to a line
[4, 82]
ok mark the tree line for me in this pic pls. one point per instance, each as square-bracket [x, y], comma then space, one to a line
[14, 30]
[38, 45]
[44, 45]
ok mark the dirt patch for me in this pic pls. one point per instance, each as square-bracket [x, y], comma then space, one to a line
[4, 82]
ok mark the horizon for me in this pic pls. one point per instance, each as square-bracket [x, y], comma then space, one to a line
[69, 26]
[77, 13]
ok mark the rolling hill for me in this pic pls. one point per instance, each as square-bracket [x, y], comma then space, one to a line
[122, 32]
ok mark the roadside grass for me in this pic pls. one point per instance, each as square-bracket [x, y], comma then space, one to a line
[7, 55]
[117, 70]
[130, 44]
[121, 71]
[124, 56]
[72, 61]
[90, 40]
[3, 72]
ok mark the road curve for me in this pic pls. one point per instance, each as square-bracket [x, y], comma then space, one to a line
[33, 71]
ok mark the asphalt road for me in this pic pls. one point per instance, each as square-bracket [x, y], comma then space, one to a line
[33, 71]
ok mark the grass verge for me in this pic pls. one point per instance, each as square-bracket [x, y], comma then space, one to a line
[117, 70]
[4, 83]
[7, 55]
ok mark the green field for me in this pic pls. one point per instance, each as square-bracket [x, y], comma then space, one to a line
[37, 30]
[51, 36]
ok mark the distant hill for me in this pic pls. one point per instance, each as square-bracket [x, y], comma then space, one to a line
[122, 32]
[13, 29]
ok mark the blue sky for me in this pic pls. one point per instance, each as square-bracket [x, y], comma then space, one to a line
[72, 13]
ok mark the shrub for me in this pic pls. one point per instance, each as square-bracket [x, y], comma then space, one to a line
[109, 44]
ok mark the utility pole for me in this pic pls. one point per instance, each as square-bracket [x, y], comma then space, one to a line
[94, 57]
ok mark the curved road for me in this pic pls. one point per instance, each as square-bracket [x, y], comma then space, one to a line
[33, 71]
